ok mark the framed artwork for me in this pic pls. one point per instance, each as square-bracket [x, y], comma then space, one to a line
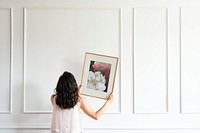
[98, 75]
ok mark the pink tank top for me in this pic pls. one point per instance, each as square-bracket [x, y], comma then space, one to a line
[65, 120]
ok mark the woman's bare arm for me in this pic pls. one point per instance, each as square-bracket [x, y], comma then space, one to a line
[90, 112]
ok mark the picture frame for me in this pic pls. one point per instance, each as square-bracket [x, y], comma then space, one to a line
[98, 75]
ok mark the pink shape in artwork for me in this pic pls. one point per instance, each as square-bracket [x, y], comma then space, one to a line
[104, 68]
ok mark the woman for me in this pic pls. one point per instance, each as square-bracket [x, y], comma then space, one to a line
[67, 103]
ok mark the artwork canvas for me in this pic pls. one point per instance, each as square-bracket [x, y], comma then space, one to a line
[98, 76]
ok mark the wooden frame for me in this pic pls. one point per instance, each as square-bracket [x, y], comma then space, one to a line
[98, 75]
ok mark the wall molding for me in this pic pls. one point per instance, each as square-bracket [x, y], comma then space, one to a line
[24, 52]
[180, 58]
[46, 126]
[133, 43]
[11, 60]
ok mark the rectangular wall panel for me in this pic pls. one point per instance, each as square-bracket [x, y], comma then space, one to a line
[190, 60]
[56, 40]
[150, 60]
[5, 60]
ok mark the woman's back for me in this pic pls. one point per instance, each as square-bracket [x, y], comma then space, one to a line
[66, 102]
[65, 120]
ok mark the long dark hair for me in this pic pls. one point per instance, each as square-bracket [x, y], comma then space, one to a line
[66, 91]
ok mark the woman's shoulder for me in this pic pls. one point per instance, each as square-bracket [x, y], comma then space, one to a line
[52, 98]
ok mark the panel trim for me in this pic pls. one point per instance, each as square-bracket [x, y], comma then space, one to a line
[11, 61]
[167, 89]
[24, 54]
[180, 58]
[46, 126]
[24, 57]
[180, 53]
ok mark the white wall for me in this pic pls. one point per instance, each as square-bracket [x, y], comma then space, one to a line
[157, 83]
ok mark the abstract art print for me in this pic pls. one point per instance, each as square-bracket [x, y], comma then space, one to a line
[98, 76]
